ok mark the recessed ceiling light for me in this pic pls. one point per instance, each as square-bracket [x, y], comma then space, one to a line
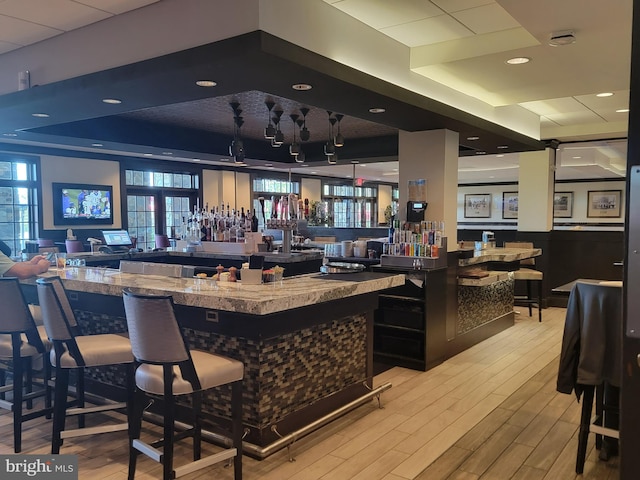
[97, 145]
[268, 164]
[111, 101]
[224, 159]
[313, 171]
[518, 60]
[363, 165]
[473, 138]
[377, 110]
[395, 169]
[304, 165]
[40, 115]
[622, 110]
[301, 86]
[499, 156]
[10, 134]
[148, 154]
[503, 146]
[167, 153]
[480, 152]
[196, 159]
[206, 83]
[355, 161]
[604, 94]
[576, 157]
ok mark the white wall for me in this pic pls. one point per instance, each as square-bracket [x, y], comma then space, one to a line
[579, 218]
[384, 199]
[311, 188]
[78, 170]
[220, 186]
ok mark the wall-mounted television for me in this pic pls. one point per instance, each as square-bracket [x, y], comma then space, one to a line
[82, 204]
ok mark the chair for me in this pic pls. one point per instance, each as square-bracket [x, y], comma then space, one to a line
[591, 360]
[21, 344]
[45, 242]
[74, 351]
[162, 241]
[528, 275]
[169, 369]
[74, 246]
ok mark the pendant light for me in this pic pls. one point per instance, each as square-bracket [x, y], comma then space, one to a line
[278, 139]
[338, 140]
[269, 131]
[332, 159]
[294, 148]
[236, 149]
[300, 158]
[305, 135]
[329, 147]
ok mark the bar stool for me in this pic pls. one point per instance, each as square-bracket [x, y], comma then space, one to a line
[591, 360]
[21, 344]
[74, 246]
[169, 369]
[74, 351]
[528, 275]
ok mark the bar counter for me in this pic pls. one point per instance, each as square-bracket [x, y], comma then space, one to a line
[306, 342]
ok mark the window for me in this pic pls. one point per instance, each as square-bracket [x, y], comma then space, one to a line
[18, 201]
[267, 188]
[349, 206]
[157, 202]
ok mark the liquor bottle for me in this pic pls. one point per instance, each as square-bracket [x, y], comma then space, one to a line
[254, 221]
[391, 229]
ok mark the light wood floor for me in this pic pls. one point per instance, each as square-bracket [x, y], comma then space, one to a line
[489, 413]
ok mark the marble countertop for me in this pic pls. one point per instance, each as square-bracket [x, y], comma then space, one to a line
[292, 292]
[500, 255]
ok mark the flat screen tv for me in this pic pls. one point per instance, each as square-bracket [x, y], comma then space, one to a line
[82, 204]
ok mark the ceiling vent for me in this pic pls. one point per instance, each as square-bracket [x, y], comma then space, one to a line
[559, 39]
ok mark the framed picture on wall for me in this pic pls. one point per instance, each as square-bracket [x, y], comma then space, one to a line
[604, 203]
[477, 205]
[563, 204]
[510, 205]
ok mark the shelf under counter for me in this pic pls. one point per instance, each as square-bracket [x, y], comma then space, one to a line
[490, 278]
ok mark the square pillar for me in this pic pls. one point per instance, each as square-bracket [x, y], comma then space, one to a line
[535, 191]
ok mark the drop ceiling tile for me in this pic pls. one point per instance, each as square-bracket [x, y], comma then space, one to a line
[430, 30]
[382, 13]
[458, 5]
[554, 106]
[7, 46]
[59, 14]
[116, 6]
[575, 118]
[23, 33]
[486, 19]
[619, 99]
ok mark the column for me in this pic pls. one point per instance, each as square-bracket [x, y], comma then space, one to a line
[433, 156]
[535, 191]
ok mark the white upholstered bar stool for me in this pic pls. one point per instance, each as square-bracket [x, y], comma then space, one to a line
[21, 344]
[169, 369]
[74, 351]
[528, 275]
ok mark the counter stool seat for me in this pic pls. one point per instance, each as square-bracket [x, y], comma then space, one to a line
[528, 275]
[168, 368]
[20, 343]
[74, 351]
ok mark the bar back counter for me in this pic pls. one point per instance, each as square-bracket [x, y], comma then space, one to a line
[306, 341]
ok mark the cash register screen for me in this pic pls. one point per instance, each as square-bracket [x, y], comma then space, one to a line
[116, 238]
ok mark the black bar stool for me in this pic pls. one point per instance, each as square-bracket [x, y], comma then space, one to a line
[74, 351]
[21, 344]
[591, 361]
[530, 276]
[169, 369]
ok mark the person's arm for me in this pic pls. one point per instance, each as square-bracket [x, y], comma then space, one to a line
[35, 266]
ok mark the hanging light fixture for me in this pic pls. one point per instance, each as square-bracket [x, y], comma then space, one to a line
[332, 159]
[236, 149]
[338, 140]
[269, 131]
[294, 148]
[329, 147]
[278, 139]
[300, 158]
[305, 135]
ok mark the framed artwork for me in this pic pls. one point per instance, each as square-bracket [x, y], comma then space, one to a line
[563, 204]
[477, 205]
[604, 203]
[510, 205]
